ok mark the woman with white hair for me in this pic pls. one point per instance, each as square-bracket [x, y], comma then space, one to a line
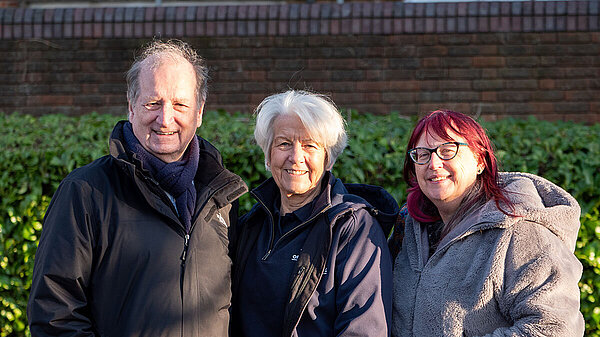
[310, 256]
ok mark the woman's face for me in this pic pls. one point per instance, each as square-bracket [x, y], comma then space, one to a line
[445, 182]
[297, 162]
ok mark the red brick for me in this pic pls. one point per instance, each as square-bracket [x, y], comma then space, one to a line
[149, 13]
[87, 30]
[145, 29]
[419, 25]
[398, 97]
[583, 95]
[117, 100]
[27, 31]
[159, 29]
[200, 28]
[540, 107]
[259, 75]
[430, 26]
[51, 100]
[555, 68]
[169, 29]
[334, 26]
[261, 28]
[431, 62]
[585, 118]
[379, 86]
[486, 62]
[489, 96]
[404, 85]
[97, 31]
[180, 27]
[211, 28]
[76, 29]
[466, 108]
[340, 86]
[87, 88]
[372, 97]
[34, 77]
[348, 98]
[272, 27]
[546, 84]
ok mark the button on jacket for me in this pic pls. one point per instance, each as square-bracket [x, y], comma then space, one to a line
[114, 259]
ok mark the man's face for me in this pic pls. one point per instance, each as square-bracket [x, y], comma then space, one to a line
[166, 114]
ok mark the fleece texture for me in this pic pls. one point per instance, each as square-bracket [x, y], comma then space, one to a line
[493, 274]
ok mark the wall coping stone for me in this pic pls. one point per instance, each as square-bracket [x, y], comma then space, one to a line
[366, 18]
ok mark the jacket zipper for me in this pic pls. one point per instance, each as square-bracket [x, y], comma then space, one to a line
[272, 238]
[295, 229]
[186, 237]
[303, 268]
[306, 302]
[186, 244]
[184, 252]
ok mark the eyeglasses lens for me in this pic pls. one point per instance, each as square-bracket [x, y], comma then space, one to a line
[445, 152]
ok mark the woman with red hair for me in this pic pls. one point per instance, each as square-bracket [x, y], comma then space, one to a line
[483, 253]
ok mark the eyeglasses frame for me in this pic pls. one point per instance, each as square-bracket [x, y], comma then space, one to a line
[434, 150]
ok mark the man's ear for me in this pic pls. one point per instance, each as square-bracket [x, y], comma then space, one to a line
[200, 113]
[130, 112]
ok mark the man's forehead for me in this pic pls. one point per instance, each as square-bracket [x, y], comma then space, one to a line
[153, 62]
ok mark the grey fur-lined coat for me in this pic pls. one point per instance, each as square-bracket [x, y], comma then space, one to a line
[495, 275]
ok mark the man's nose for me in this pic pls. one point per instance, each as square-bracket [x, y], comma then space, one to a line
[165, 115]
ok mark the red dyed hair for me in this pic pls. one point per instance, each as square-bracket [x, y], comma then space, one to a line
[439, 122]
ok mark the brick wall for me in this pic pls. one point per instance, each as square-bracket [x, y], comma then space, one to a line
[496, 59]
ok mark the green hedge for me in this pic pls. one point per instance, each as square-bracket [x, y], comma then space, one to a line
[37, 153]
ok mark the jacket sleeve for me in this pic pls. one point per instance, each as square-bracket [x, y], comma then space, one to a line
[233, 217]
[363, 279]
[540, 294]
[58, 301]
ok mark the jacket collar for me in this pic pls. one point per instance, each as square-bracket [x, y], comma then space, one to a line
[268, 192]
[535, 199]
[340, 197]
[212, 179]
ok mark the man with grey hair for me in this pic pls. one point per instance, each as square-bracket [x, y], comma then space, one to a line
[136, 243]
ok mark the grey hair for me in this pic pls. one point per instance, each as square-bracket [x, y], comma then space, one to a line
[174, 49]
[317, 112]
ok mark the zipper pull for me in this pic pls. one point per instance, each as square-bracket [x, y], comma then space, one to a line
[186, 243]
[266, 255]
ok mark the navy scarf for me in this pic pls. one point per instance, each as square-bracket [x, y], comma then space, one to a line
[175, 178]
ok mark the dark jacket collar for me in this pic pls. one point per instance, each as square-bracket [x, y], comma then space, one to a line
[268, 192]
[339, 197]
[211, 179]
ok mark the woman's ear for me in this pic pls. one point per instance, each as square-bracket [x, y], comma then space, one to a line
[480, 165]
[328, 164]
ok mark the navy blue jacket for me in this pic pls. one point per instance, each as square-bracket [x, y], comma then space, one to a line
[342, 280]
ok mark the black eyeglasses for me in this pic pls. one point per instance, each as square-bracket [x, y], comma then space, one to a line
[446, 151]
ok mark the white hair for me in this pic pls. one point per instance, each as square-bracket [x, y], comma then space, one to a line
[318, 114]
